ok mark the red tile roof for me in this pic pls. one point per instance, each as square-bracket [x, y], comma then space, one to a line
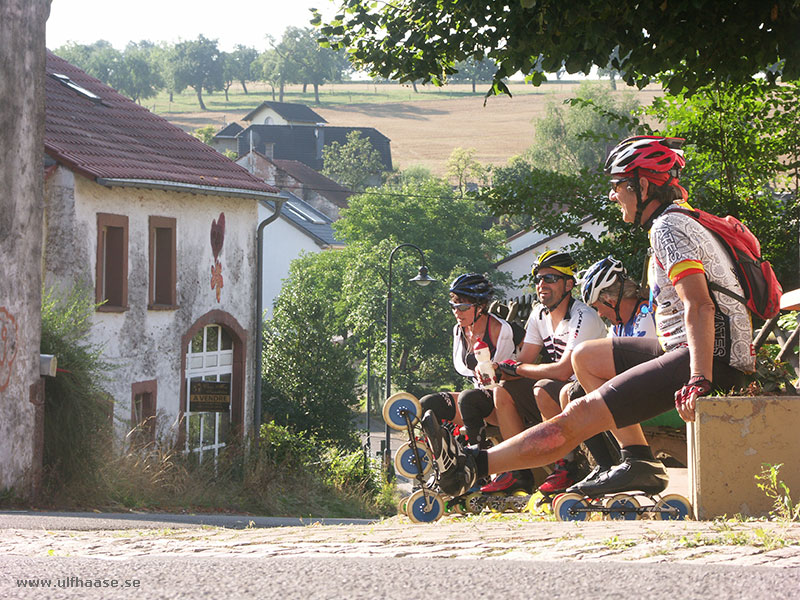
[112, 137]
[315, 181]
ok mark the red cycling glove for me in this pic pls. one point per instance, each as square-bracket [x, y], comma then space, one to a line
[696, 385]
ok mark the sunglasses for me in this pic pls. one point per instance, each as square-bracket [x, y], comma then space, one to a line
[547, 278]
[461, 306]
[615, 183]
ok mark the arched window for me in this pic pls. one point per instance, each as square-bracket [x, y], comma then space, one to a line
[209, 357]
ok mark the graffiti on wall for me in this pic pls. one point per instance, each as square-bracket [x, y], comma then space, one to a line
[217, 239]
[8, 346]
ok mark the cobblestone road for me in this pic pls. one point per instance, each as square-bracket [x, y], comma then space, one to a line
[499, 537]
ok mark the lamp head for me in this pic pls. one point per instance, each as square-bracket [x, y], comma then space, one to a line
[422, 277]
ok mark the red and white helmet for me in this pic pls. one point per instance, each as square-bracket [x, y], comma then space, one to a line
[649, 152]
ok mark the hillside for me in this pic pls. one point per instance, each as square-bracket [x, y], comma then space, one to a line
[424, 131]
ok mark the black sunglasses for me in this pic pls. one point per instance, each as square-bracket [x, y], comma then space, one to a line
[615, 183]
[461, 306]
[547, 278]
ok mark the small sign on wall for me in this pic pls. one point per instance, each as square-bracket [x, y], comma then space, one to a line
[209, 396]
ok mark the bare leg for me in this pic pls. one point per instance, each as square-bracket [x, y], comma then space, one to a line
[593, 363]
[548, 406]
[549, 441]
[506, 414]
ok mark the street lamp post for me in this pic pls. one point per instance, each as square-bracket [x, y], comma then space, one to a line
[421, 279]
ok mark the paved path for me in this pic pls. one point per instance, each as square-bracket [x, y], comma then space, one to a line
[503, 537]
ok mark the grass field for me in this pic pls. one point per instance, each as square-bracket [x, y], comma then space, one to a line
[424, 127]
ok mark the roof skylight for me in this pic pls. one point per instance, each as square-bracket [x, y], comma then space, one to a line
[74, 86]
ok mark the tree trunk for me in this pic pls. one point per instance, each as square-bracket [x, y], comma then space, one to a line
[273, 92]
[199, 91]
[473, 85]
[22, 72]
[280, 91]
[414, 85]
[305, 87]
[244, 87]
[227, 87]
[316, 94]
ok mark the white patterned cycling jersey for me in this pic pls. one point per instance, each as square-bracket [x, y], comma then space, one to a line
[580, 323]
[681, 247]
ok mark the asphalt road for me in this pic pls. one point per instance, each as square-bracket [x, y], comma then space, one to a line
[306, 578]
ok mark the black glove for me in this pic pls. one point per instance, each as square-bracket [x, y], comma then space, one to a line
[508, 367]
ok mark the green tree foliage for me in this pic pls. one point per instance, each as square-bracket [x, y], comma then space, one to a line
[198, 65]
[690, 44]
[353, 164]
[268, 68]
[100, 60]
[463, 170]
[309, 379]
[743, 159]
[142, 76]
[241, 64]
[452, 234]
[568, 139]
[314, 63]
[133, 73]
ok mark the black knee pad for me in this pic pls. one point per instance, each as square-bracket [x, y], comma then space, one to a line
[441, 403]
[475, 405]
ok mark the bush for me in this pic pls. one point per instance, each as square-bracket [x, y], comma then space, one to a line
[78, 412]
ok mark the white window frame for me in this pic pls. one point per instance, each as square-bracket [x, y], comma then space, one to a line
[208, 365]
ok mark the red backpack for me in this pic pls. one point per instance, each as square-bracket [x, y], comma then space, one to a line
[762, 292]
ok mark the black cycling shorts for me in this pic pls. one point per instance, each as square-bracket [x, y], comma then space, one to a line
[648, 379]
[521, 392]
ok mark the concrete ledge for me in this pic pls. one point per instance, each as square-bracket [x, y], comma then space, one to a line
[730, 440]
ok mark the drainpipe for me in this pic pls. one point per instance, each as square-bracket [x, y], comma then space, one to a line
[260, 307]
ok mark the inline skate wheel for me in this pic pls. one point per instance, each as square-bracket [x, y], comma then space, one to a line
[672, 507]
[571, 507]
[406, 463]
[518, 501]
[475, 503]
[622, 507]
[425, 506]
[402, 505]
[497, 502]
[397, 406]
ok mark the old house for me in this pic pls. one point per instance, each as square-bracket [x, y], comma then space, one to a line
[321, 192]
[305, 144]
[162, 229]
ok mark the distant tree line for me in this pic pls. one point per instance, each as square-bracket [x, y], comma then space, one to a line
[144, 69]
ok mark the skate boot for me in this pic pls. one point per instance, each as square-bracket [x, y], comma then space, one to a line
[647, 476]
[560, 479]
[456, 468]
[590, 479]
[510, 482]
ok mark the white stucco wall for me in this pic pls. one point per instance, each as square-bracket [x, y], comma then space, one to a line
[146, 344]
[283, 242]
[260, 117]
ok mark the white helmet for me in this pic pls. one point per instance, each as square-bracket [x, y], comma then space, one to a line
[601, 275]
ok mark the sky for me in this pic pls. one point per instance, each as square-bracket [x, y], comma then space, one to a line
[231, 22]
